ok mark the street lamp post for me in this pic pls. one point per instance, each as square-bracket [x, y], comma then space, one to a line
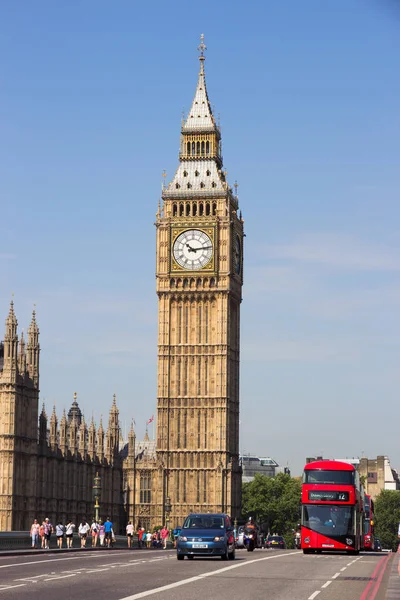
[96, 496]
[167, 510]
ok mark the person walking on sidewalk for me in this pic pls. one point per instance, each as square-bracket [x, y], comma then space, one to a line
[60, 530]
[164, 536]
[83, 531]
[35, 533]
[69, 533]
[129, 534]
[108, 531]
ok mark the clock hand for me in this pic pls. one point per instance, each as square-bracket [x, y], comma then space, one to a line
[191, 249]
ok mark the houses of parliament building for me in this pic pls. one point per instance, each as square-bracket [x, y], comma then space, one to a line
[48, 463]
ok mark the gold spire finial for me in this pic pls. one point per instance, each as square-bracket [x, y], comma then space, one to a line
[75, 396]
[202, 47]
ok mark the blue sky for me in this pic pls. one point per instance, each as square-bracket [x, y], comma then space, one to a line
[308, 92]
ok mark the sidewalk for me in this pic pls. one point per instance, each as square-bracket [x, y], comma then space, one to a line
[393, 587]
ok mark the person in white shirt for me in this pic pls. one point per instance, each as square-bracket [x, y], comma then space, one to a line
[83, 530]
[69, 533]
[129, 534]
[94, 530]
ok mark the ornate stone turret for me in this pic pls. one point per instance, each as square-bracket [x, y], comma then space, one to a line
[73, 435]
[43, 426]
[131, 442]
[92, 440]
[53, 429]
[33, 351]
[100, 441]
[10, 366]
[75, 411]
[64, 433]
[113, 433]
[82, 438]
[22, 355]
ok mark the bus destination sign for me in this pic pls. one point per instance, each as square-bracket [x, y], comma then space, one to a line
[328, 496]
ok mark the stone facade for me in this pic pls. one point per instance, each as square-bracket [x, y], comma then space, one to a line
[47, 466]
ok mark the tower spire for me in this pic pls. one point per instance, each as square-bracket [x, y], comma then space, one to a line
[202, 47]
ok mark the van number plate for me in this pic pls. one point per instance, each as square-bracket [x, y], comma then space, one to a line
[199, 545]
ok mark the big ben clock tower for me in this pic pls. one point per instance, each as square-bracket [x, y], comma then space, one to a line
[199, 286]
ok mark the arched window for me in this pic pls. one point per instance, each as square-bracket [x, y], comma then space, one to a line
[202, 185]
[201, 209]
[213, 184]
[185, 173]
[208, 149]
[198, 148]
[188, 207]
[189, 185]
[207, 209]
[208, 172]
[214, 209]
[188, 148]
[212, 282]
[202, 148]
[181, 209]
[174, 210]
[196, 173]
[177, 186]
[194, 209]
[193, 148]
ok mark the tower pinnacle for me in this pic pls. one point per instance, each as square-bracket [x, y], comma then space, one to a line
[202, 47]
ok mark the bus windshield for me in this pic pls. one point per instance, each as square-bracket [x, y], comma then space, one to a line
[329, 520]
[329, 477]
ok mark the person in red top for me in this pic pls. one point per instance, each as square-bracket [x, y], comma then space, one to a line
[140, 537]
[164, 533]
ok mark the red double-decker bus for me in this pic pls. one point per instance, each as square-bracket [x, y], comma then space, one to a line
[332, 508]
[368, 523]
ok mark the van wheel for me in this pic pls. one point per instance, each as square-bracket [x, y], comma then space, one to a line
[180, 557]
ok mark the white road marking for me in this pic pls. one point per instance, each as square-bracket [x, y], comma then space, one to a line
[343, 569]
[60, 577]
[314, 595]
[203, 575]
[335, 575]
[327, 583]
[10, 587]
[96, 570]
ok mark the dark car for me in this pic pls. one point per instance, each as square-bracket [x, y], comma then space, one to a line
[275, 541]
[377, 545]
[206, 535]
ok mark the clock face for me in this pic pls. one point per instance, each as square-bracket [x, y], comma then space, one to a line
[237, 255]
[193, 249]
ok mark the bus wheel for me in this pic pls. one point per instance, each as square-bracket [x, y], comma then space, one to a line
[307, 551]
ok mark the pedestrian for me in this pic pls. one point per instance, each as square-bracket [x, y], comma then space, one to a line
[69, 533]
[102, 533]
[140, 537]
[164, 536]
[48, 529]
[148, 539]
[94, 529]
[83, 531]
[60, 530]
[129, 533]
[108, 531]
[34, 533]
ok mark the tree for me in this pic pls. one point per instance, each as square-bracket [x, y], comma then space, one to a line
[387, 518]
[274, 502]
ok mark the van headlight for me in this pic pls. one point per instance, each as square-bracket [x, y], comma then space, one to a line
[219, 539]
[182, 538]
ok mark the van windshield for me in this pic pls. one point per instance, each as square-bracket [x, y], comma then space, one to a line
[204, 522]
